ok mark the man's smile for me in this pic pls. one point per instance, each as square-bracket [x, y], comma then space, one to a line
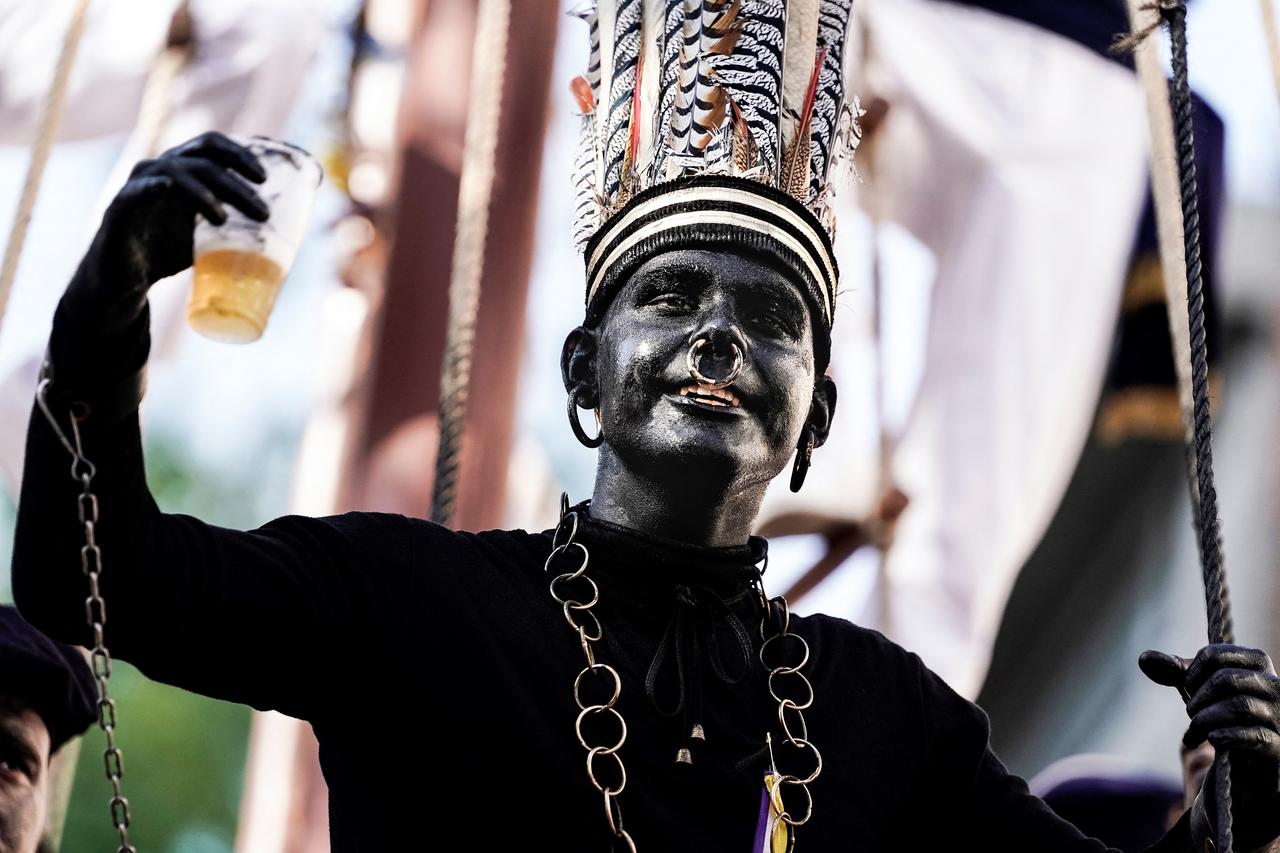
[707, 399]
[711, 395]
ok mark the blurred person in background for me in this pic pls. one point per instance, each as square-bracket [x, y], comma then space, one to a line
[47, 697]
[1124, 807]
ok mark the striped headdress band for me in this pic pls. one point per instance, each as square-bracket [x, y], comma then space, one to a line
[712, 211]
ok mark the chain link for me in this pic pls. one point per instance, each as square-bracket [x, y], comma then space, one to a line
[562, 540]
[95, 608]
[576, 613]
[802, 747]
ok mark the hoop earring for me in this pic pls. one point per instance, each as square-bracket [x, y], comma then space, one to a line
[576, 425]
[804, 454]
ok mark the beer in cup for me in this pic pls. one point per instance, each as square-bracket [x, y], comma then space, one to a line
[240, 264]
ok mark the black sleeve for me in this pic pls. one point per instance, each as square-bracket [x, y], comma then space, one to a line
[981, 800]
[271, 617]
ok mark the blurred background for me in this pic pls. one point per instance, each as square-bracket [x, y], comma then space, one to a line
[1005, 492]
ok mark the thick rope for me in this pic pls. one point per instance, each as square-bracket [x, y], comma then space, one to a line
[41, 145]
[488, 66]
[1174, 13]
[1204, 499]
[1207, 527]
[1271, 30]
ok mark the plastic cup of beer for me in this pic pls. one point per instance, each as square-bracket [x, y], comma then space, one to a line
[240, 264]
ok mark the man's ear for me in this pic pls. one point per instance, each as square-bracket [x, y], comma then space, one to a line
[578, 366]
[822, 410]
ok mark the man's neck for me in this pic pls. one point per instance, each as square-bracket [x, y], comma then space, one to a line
[674, 507]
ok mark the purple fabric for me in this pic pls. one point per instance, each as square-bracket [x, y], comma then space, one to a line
[762, 823]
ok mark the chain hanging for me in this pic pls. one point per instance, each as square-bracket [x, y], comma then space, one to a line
[587, 626]
[95, 609]
[580, 618]
[795, 731]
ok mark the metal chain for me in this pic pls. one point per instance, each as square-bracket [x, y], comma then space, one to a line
[790, 711]
[580, 618]
[95, 609]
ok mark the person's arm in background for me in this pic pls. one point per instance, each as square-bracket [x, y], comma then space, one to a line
[242, 616]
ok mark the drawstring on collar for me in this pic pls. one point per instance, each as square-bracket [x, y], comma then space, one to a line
[697, 611]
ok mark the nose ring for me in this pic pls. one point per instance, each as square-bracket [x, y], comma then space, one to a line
[696, 355]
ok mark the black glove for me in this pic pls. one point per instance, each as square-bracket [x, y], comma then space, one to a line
[101, 334]
[1233, 699]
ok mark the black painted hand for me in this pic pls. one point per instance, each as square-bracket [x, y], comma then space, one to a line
[1233, 699]
[146, 232]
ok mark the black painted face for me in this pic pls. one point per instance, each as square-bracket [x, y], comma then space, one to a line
[653, 412]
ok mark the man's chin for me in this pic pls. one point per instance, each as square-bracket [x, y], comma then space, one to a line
[681, 441]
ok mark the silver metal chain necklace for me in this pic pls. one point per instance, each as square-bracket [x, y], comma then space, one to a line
[795, 733]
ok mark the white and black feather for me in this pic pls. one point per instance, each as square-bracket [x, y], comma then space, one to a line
[833, 24]
[622, 87]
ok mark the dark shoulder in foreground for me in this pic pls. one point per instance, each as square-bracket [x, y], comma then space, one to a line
[500, 551]
[843, 638]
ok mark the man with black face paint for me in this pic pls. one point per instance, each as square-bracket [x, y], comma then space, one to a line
[676, 446]
[622, 679]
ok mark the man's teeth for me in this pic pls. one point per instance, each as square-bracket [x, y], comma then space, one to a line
[716, 395]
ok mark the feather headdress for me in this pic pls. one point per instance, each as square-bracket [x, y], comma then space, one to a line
[711, 122]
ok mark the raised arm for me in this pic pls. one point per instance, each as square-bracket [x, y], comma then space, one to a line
[251, 617]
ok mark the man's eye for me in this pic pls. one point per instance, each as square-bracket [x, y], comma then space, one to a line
[671, 300]
[774, 322]
[9, 764]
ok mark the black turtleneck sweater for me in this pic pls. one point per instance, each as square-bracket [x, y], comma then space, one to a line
[437, 673]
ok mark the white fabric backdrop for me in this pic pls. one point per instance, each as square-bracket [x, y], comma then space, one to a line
[1018, 159]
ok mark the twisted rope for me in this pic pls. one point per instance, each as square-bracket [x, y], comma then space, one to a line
[1204, 496]
[1184, 278]
[41, 145]
[488, 66]
[1207, 527]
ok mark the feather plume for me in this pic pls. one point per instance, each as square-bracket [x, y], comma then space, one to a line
[591, 17]
[626, 56]
[833, 23]
[586, 203]
[742, 80]
[633, 141]
[745, 152]
[752, 88]
[608, 16]
[687, 77]
[795, 169]
[754, 75]
[669, 82]
[720, 31]
[586, 93]
[648, 84]
[797, 64]
[715, 158]
[586, 213]
[630, 179]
